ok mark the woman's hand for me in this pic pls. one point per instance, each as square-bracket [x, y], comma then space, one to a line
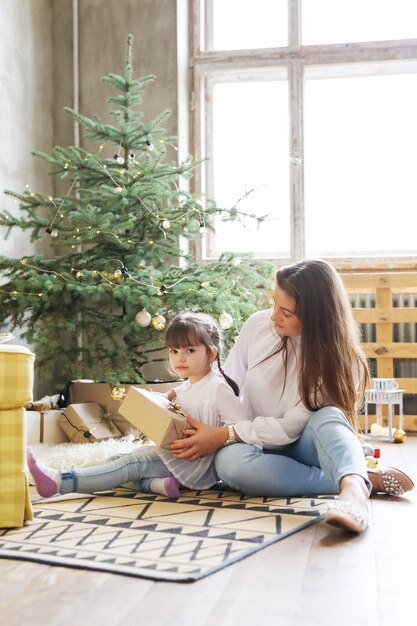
[200, 440]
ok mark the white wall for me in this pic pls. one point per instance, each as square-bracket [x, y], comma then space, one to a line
[26, 112]
[26, 105]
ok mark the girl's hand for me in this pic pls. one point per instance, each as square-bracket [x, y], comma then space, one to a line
[200, 440]
[171, 394]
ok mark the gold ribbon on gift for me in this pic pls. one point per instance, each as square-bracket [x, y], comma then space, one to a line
[175, 406]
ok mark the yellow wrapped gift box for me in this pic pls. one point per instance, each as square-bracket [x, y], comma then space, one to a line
[16, 376]
[15, 505]
[16, 388]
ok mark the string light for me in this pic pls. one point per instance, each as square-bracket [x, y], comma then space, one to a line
[15, 293]
[50, 230]
[118, 187]
[41, 269]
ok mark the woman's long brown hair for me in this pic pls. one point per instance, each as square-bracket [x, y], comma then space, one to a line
[332, 359]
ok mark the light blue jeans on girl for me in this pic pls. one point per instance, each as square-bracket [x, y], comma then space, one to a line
[134, 470]
[327, 450]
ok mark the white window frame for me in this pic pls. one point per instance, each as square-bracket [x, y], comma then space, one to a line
[209, 66]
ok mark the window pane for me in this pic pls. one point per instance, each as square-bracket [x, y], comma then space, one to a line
[360, 182]
[245, 24]
[340, 21]
[250, 151]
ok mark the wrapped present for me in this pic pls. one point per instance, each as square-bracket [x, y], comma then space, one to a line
[87, 421]
[110, 398]
[44, 404]
[16, 382]
[16, 376]
[43, 427]
[125, 427]
[15, 505]
[153, 415]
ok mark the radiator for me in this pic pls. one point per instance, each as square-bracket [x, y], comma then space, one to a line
[405, 332]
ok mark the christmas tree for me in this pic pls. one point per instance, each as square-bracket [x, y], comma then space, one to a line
[98, 306]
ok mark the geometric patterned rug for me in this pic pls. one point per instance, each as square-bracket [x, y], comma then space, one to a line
[151, 536]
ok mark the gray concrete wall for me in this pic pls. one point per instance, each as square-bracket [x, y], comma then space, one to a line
[37, 56]
[36, 74]
[103, 26]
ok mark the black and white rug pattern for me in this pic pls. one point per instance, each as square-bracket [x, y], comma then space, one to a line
[151, 536]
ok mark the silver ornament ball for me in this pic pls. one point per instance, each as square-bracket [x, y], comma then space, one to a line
[143, 318]
[225, 321]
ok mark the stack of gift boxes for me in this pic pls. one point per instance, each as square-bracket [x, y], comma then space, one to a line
[16, 385]
[92, 414]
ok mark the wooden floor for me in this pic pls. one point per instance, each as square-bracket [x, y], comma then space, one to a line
[320, 576]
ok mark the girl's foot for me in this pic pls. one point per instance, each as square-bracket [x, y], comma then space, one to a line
[350, 511]
[169, 487]
[47, 479]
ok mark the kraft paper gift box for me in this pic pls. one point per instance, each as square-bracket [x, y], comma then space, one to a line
[85, 422]
[89, 391]
[43, 427]
[153, 415]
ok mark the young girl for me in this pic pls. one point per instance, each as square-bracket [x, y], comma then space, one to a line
[194, 350]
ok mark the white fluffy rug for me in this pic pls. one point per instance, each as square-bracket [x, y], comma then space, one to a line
[68, 455]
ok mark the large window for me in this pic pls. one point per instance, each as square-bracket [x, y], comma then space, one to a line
[307, 112]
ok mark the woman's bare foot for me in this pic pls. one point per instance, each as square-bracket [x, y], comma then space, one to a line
[350, 511]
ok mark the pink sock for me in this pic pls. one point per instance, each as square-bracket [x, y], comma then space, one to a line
[169, 487]
[47, 479]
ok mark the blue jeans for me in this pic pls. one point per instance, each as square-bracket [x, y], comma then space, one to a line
[134, 470]
[327, 450]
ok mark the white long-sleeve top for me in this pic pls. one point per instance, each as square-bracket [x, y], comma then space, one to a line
[275, 417]
[211, 401]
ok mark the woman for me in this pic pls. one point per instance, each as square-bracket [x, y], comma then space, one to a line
[302, 374]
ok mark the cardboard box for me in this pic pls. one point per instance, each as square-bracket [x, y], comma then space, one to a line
[153, 415]
[43, 427]
[125, 427]
[89, 391]
[85, 422]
